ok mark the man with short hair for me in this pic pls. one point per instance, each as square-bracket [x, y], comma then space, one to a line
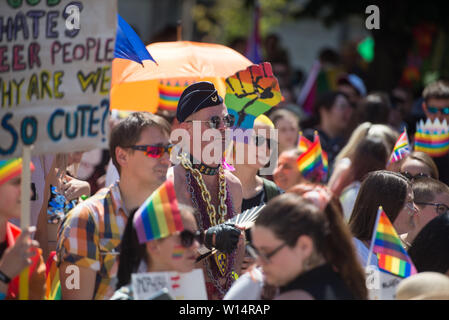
[432, 199]
[90, 235]
[436, 106]
[200, 181]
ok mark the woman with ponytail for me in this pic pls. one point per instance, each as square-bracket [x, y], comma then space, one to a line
[304, 247]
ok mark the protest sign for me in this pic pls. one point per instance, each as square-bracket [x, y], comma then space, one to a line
[381, 285]
[55, 71]
[181, 286]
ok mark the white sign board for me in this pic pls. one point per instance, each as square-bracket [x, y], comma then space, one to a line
[55, 74]
[181, 286]
[381, 285]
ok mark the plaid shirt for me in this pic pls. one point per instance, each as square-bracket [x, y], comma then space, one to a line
[90, 236]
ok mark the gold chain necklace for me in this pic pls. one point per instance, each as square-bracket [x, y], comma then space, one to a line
[205, 194]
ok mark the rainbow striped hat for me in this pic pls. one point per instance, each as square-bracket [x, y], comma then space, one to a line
[432, 137]
[10, 169]
[159, 216]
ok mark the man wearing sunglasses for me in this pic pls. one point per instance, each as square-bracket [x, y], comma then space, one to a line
[436, 106]
[432, 199]
[201, 181]
[91, 233]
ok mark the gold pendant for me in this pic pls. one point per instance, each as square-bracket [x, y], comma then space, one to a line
[221, 260]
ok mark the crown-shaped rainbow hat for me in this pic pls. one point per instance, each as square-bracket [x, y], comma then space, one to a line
[432, 137]
[159, 216]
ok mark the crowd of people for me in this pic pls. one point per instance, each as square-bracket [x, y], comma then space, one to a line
[310, 241]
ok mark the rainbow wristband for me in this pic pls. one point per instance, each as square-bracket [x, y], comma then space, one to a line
[2, 296]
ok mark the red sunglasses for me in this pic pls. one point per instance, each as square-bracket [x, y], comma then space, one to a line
[153, 151]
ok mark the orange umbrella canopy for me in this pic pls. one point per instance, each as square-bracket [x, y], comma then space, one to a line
[179, 64]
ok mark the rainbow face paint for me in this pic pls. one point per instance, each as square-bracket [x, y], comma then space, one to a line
[178, 252]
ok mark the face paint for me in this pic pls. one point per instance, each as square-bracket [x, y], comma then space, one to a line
[178, 252]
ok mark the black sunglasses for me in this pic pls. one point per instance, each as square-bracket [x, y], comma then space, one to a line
[410, 177]
[188, 237]
[215, 121]
[253, 252]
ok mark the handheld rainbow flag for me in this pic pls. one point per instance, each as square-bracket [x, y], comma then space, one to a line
[432, 137]
[392, 257]
[303, 143]
[53, 284]
[158, 217]
[401, 148]
[313, 163]
[250, 93]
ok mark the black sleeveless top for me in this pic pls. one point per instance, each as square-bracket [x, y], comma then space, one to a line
[322, 283]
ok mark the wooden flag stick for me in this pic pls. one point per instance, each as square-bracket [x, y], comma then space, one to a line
[26, 188]
[25, 214]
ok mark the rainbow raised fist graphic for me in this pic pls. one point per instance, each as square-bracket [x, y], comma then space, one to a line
[250, 93]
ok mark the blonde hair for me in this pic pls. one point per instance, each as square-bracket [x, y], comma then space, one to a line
[263, 120]
[367, 129]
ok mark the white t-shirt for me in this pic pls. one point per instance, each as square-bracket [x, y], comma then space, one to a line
[363, 252]
[348, 197]
[247, 287]
[111, 174]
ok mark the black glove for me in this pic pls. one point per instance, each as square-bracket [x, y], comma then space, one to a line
[226, 237]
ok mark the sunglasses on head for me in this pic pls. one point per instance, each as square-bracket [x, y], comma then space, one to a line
[188, 237]
[434, 110]
[215, 121]
[410, 177]
[153, 151]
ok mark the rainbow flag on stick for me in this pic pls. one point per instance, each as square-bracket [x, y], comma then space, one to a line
[313, 163]
[53, 284]
[158, 217]
[392, 257]
[401, 148]
[303, 143]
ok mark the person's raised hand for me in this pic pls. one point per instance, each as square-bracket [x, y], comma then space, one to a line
[74, 188]
[18, 257]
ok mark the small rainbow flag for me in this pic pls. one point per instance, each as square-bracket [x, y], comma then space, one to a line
[159, 216]
[303, 143]
[53, 284]
[313, 163]
[250, 93]
[386, 243]
[432, 137]
[169, 95]
[401, 148]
